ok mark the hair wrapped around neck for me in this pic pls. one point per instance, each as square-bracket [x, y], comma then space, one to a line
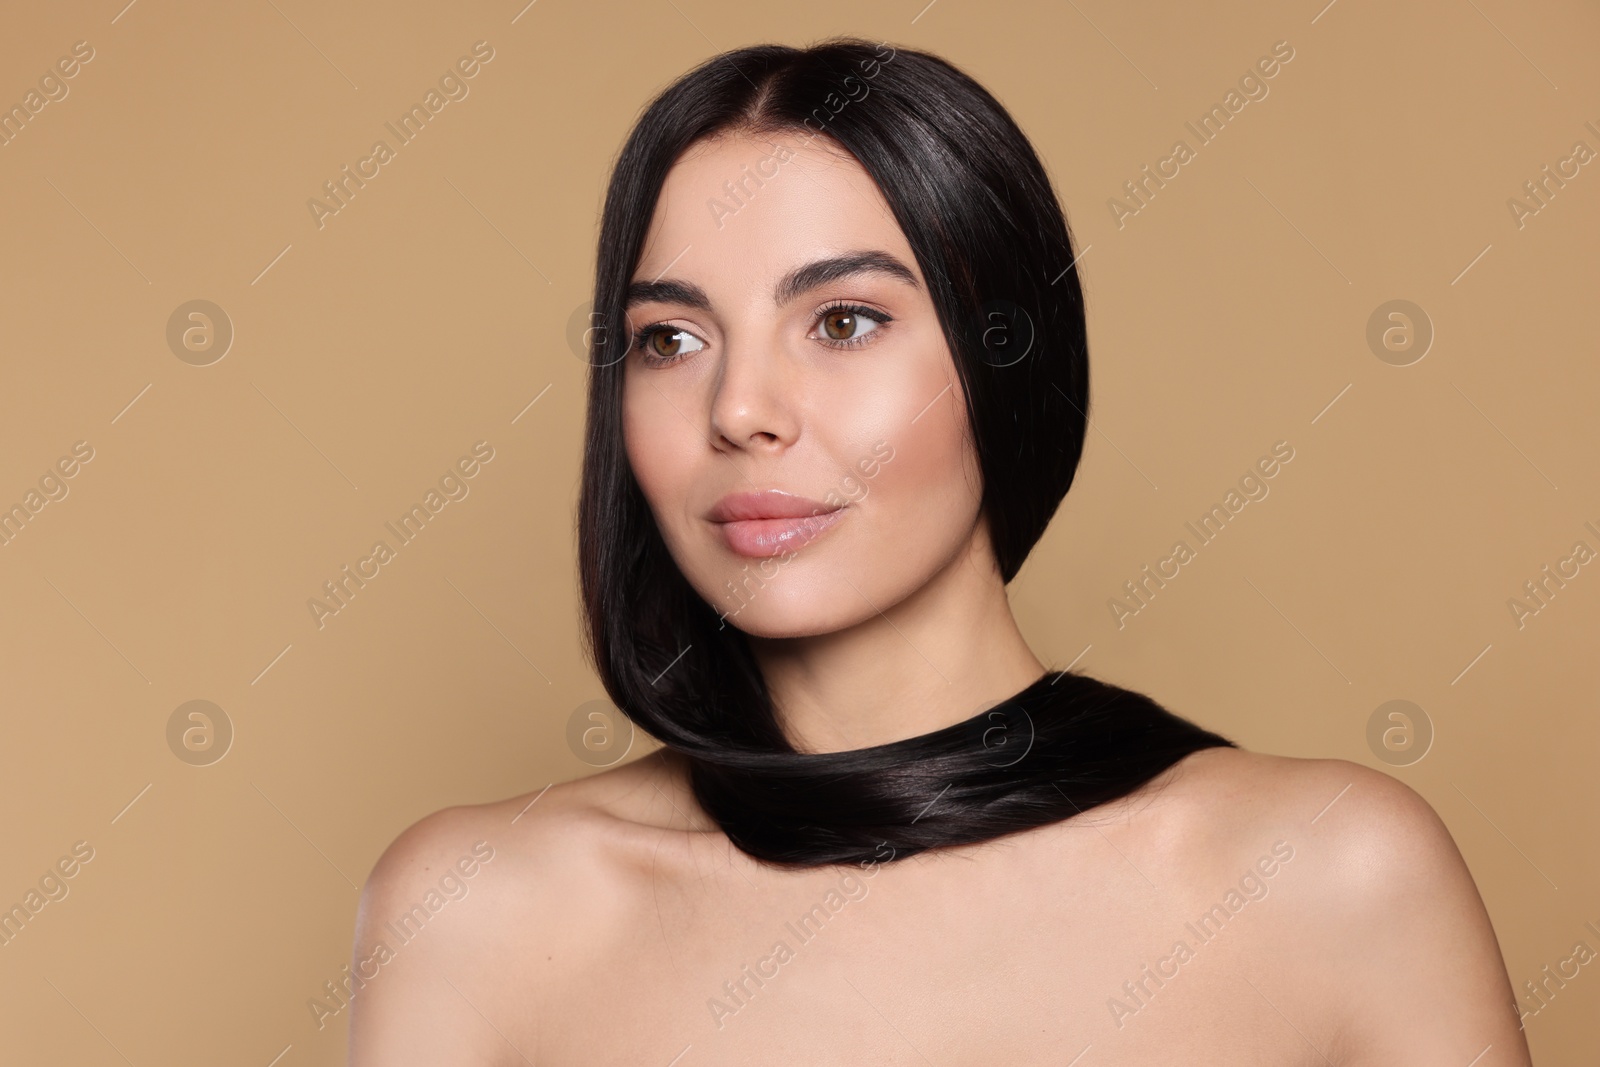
[1061, 746]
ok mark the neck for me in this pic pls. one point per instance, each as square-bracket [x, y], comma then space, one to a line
[939, 656]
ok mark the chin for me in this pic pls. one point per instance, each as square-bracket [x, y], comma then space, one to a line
[777, 612]
[771, 615]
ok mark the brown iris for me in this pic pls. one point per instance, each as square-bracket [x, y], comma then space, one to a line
[845, 321]
[665, 343]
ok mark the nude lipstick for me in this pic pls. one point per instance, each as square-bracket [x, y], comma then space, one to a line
[771, 522]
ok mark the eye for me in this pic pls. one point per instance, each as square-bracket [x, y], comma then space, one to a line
[843, 325]
[662, 344]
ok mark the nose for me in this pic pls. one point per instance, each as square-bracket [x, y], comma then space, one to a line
[755, 402]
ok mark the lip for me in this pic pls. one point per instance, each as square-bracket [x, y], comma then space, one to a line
[766, 504]
[771, 522]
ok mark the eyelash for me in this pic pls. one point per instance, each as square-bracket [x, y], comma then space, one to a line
[641, 339]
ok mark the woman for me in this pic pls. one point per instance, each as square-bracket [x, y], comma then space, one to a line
[838, 389]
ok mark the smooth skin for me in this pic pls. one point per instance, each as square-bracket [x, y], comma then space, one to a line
[1242, 909]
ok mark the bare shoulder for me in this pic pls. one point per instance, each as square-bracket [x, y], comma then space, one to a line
[473, 911]
[561, 815]
[567, 837]
[1221, 792]
[1366, 832]
[1370, 897]
[1366, 848]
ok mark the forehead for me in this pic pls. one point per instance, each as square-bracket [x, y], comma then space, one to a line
[738, 211]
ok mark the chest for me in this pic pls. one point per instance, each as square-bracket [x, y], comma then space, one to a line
[915, 964]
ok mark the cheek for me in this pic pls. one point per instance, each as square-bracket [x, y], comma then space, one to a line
[933, 469]
[652, 435]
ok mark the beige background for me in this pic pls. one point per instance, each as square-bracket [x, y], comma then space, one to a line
[432, 310]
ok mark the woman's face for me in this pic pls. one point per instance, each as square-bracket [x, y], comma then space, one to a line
[788, 362]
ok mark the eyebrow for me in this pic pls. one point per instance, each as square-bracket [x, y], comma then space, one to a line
[797, 282]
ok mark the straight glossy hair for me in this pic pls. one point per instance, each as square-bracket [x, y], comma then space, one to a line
[979, 213]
